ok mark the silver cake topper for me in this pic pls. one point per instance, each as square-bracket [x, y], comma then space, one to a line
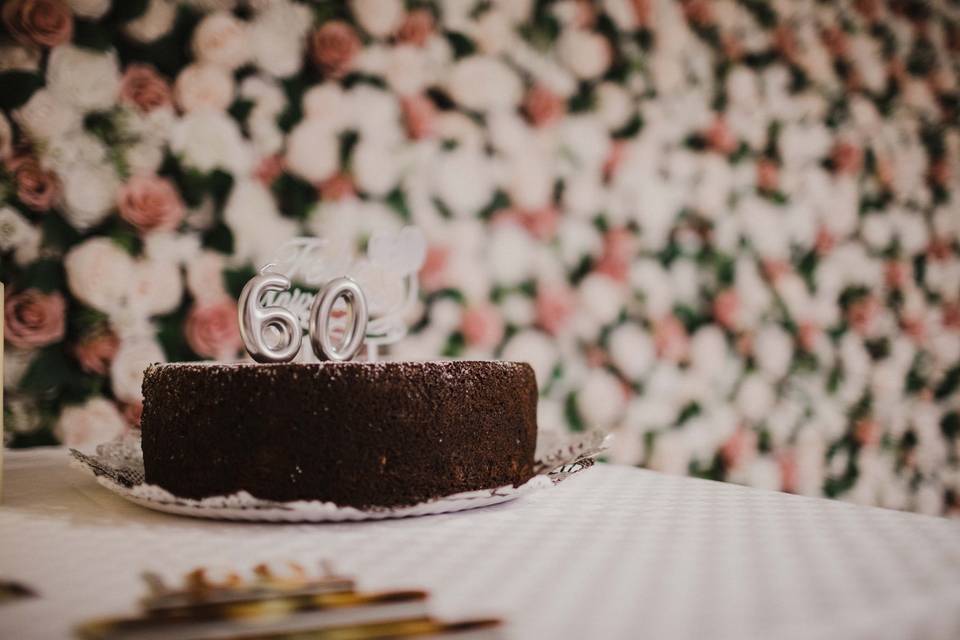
[377, 292]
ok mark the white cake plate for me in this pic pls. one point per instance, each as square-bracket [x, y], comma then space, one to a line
[118, 466]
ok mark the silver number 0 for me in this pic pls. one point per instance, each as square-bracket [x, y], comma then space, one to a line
[254, 319]
[320, 339]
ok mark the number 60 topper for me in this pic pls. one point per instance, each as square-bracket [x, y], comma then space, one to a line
[254, 319]
[380, 293]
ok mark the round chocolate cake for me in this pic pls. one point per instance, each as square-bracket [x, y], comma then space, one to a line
[353, 433]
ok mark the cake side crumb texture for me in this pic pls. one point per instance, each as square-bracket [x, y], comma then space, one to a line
[357, 434]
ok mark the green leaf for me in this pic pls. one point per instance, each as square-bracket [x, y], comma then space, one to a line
[49, 370]
[455, 345]
[18, 86]
[462, 45]
[45, 274]
[219, 238]
[572, 412]
[236, 279]
[294, 196]
[91, 35]
[127, 10]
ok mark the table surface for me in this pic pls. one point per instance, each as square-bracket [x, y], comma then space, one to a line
[614, 552]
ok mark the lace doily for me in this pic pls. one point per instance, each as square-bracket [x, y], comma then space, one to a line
[118, 466]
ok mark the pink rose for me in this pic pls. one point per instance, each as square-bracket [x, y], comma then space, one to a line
[96, 352]
[768, 175]
[419, 116]
[34, 319]
[131, 412]
[417, 27]
[541, 223]
[847, 158]
[44, 23]
[142, 87]
[808, 335]
[643, 11]
[740, 448]
[897, 273]
[212, 331]
[726, 309]
[824, 242]
[269, 169]
[150, 203]
[618, 250]
[542, 106]
[337, 187]
[334, 47]
[863, 314]
[37, 187]
[554, 306]
[482, 326]
[671, 339]
[720, 138]
[787, 461]
[434, 270]
[867, 432]
[618, 153]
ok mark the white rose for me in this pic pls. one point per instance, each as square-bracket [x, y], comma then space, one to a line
[221, 40]
[205, 276]
[578, 239]
[17, 234]
[482, 83]
[877, 231]
[126, 370]
[708, 351]
[510, 255]
[911, 230]
[313, 152]
[764, 473]
[459, 129]
[530, 180]
[375, 113]
[518, 310]
[773, 349]
[743, 88]
[257, 226]
[98, 274]
[755, 398]
[585, 141]
[584, 195]
[45, 116]
[327, 103]
[85, 426]
[464, 181]
[653, 282]
[493, 32]
[671, 453]
[631, 350]
[614, 106]
[600, 400]
[86, 79]
[601, 298]
[154, 23]
[208, 140]
[277, 37]
[376, 167]
[379, 18]
[204, 86]
[585, 53]
[88, 194]
[14, 57]
[156, 287]
[405, 69]
[89, 8]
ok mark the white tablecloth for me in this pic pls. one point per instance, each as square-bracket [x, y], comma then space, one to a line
[615, 552]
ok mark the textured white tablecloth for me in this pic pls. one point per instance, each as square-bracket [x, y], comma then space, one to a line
[615, 552]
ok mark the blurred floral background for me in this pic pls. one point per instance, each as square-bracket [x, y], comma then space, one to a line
[726, 231]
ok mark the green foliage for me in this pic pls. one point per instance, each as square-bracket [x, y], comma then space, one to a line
[18, 86]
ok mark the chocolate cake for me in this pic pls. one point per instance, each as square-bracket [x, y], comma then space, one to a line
[353, 433]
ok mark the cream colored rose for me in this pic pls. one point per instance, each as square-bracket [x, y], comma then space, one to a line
[208, 140]
[313, 152]
[87, 425]
[89, 80]
[88, 193]
[221, 40]
[587, 54]
[379, 18]
[126, 370]
[154, 23]
[156, 287]
[483, 83]
[98, 274]
[203, 86]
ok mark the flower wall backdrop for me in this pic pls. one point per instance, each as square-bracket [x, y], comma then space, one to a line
[727, 231]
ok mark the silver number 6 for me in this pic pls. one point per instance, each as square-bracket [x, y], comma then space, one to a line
[254, 319]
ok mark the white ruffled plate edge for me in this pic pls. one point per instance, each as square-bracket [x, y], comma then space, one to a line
[570, 457]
